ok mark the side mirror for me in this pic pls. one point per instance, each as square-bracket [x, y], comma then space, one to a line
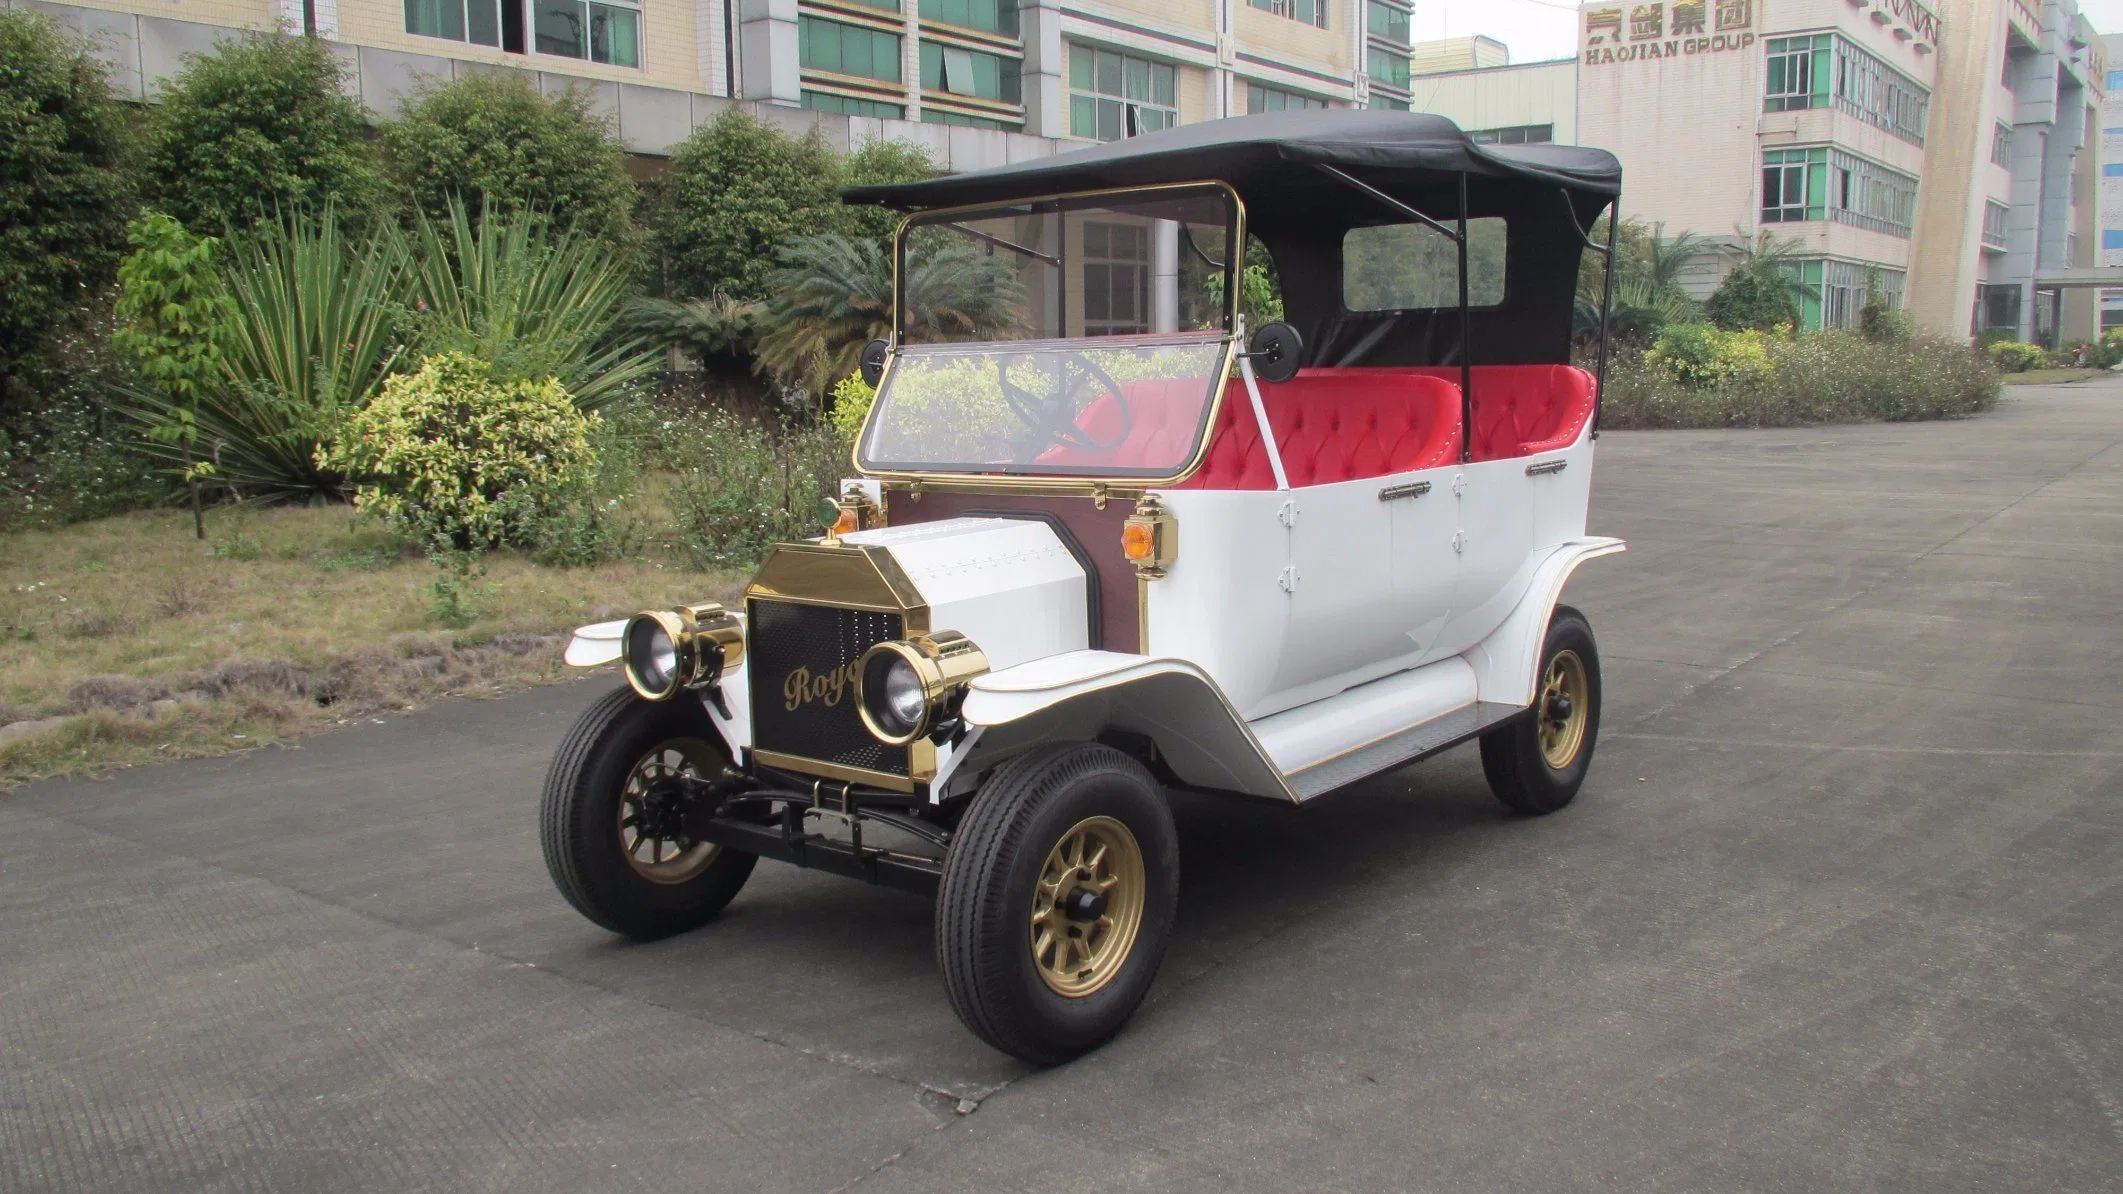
[1276, 352]
[873, 361]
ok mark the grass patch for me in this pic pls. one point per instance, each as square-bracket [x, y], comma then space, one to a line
[126, 639]
[2052, 377]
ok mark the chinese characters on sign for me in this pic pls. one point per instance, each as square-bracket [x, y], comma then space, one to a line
[1639, 32]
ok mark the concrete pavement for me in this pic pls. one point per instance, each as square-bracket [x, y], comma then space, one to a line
[1839, 907]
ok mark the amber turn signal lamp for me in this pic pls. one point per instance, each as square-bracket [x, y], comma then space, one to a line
[847, 523]
[1138, 541]
[1150, 538]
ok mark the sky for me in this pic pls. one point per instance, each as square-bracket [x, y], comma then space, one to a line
[1537, 29]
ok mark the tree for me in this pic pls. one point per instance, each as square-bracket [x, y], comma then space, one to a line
[494, 143]
[64, 198]
[175, 318]
[1763, 292]
[737, 190]
[880, 163]
[832, 294]
[259, 124]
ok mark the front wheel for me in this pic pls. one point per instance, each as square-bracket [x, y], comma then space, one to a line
[1536, 764]
[612, 822]
[1057, 901]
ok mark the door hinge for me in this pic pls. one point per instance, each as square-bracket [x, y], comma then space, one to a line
[1287, 515]
[1288, 579]
[1459, 484]
[1459, 542]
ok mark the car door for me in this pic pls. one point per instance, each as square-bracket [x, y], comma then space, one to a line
[1493, 509]
[1424, 519]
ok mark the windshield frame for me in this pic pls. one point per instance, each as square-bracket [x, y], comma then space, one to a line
[1081, 479]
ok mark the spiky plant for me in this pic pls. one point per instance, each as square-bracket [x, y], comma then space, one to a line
[832, 294]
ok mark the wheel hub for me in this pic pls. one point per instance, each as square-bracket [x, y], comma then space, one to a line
[1566, 693]
[1087, 907]
[652, 812]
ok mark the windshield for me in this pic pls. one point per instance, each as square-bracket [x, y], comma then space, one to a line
[1084, 336]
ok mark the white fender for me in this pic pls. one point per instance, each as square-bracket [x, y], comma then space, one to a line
[1505, 663]
[597, 645]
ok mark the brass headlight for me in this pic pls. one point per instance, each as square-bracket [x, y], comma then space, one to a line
[901, 686]
[668, 651]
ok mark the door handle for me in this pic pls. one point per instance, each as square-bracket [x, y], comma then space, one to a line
[1395, 493]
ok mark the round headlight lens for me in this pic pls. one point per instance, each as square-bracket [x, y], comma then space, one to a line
[652, 658]
[892, 696]
[903, 695]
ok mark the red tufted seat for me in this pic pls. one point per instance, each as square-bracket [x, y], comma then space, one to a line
[1520, 410]
[1334, 425]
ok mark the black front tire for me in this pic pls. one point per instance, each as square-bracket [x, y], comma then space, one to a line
[1532, 772]
[999, 876]
[580, 819]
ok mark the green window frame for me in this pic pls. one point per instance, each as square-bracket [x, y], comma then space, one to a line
[849, 105]
[854, 50]
[1275, 99]
[1114, 95]
[967, 120]
[989, 16]
[1794, 185]
[475, 21]
[1386, 66]
[956, 70]
[1799, 72]
[1304, 12]
[607, 33]
[1388, 22]
[1389, 103]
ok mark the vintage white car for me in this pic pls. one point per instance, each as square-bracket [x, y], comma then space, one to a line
[1110, 547]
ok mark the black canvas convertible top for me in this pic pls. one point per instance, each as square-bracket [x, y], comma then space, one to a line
[1255, 155]
[1296, 174]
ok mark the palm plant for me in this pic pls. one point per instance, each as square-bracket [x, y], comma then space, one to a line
[315, 334]
[832, 294]
[1647, 283]
[717, 332]
[509, 289]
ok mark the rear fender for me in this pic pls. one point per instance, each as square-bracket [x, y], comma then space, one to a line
[1507, 662]
[1083, 694]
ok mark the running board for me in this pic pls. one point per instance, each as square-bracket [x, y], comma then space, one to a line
[1398, 750]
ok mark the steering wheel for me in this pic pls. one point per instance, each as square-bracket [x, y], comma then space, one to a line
[1053, 420]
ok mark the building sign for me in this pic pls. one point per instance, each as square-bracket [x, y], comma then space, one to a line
[1640, 32]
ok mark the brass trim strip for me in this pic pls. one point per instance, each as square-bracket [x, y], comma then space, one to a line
[853, 775]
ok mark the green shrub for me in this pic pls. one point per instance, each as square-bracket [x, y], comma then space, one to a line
[68, 456]
[1700, 354]
[878, 163]
[462, 461]
[493, 142]
[260, 124]
[529, 300]
[2014, 357]
[1756, 295]
[851, 405]
[64, 195]
[742, 488]
[176, 320]
[716, 332]
[1827, 377]
[736, 191]
[2107, 352]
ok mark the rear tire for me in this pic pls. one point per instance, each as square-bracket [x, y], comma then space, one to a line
[640, 877]
[1537, 764]
[1057, 901]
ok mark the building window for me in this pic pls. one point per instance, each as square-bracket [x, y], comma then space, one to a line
[1387, 22]
[1112, 96]
[1390, 103]
[1116, 278]
[957, 71]
[1995, 214]
[2001, 145]
[1799, 72]
[474, 21]
[943, 116]
[1386, 66]
[991, 16]
[847, 49]
[1272, 99]
[599, 32]
[849, 105]
[1306, 12]
[1834, 293]
[1794, 185]
[1519, 134]
[1998, 309]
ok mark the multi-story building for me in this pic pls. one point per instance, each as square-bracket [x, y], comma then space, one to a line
[1474, 81]
[1937, 151]
[981, 82]
[2111, 220]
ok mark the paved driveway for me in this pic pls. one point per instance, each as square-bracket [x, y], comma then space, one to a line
[1839, 908]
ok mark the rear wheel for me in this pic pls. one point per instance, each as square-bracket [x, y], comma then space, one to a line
[612, 822]
[1537, 764]
[1057, 901]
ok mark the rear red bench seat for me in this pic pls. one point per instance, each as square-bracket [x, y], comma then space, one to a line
[1520, 410]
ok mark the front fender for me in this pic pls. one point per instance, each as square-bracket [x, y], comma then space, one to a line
[1081, 694]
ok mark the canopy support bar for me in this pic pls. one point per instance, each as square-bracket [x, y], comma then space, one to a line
[1599, 394]
[1466, 339]
[1583, 235]
[1397, 205]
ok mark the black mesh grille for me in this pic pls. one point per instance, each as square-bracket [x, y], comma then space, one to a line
[795, 653]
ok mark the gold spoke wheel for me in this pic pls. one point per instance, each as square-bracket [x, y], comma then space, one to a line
[648, 825]
[1565, 705]
[1087, 907]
